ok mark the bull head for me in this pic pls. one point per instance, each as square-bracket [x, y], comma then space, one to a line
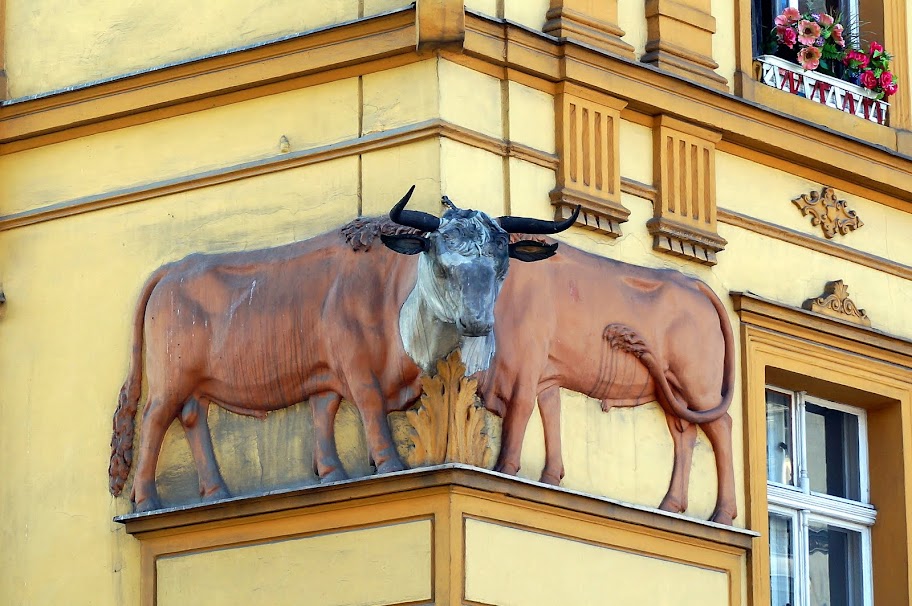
[465, 261]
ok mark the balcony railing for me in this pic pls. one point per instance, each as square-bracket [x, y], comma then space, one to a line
[830, 91]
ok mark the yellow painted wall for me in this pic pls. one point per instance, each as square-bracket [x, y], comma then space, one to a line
[52, 44]
[374, 566]
[555, 570]
[71, 283]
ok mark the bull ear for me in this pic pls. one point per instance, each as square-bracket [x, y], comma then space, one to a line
[529, 250]
[406, 244]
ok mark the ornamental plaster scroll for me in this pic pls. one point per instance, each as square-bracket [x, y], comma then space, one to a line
[831, 214]
[835, 302]
[449, 424]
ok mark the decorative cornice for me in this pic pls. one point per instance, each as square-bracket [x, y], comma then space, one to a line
[276, 163]
[219, 80]
[453, 477]
[835, 302]
[386, 40]
[597, 214]
[831, 214]
[832, 249]
[765, 313]
[685, 240]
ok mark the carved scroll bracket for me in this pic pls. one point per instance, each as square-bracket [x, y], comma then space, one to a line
[832, 215]
[449, 424]
[835, 302]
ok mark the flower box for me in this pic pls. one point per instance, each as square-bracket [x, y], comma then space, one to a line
[830, 91]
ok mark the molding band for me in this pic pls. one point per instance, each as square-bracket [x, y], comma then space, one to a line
[280, 162]
[816, 244]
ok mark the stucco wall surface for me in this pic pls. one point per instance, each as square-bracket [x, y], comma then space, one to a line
[53, 44]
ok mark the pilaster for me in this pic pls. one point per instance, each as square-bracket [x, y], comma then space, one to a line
[441, 24]
[684, 164]
[593, 22]
[680, 40]
[588, 134]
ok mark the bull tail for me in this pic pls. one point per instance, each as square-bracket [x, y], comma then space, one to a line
[670, 402]
[124, 416]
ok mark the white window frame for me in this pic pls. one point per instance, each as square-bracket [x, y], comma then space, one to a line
[803, 505]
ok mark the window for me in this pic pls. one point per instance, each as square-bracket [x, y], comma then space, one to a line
[820, 518]
[863, 18]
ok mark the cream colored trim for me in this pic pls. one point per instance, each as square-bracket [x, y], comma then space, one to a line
[280, 162]
[816, 244]
[640, 190]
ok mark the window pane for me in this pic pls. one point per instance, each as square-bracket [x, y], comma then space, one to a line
[834, 565]
[832, 452]
[778, 437]
[781, 560]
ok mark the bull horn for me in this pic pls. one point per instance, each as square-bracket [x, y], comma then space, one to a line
[413, 218]
[523, 225]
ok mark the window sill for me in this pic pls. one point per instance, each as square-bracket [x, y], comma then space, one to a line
[827, 90]
[753, 89]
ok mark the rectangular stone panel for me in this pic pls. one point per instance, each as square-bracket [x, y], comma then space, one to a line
[373, 566]
[512, 567]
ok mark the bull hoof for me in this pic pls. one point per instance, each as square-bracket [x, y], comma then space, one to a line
[336, 475]
[550, 478]
[391, 465]
[673, 505]
[723, 517]
[146, 505]
[216, 494]
[508, 468]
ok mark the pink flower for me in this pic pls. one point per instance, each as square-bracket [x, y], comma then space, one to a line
[868, 80]
[791, 15]
[787, 36]
[808, 32]
[825, 20]
[875, 46]
[809, 57]
[837, 35]
[781, 21]
[886, 79]
[890, 89]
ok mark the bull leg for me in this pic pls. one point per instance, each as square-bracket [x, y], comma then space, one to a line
[519, 410]
[549, 405]
[156, 419]
[326, 458]
[719, 434]
[377, 432]
[194, 418]
[684, 436]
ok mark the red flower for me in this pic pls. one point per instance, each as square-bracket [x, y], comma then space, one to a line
[875, 46]
[868, 80]
[890, 89]
[886, 79]
[787, 36]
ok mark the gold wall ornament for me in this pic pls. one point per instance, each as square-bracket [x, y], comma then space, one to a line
[835, 302]
[831, 214]
[449, 424]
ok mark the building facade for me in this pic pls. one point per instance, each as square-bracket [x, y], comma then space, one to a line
[133, 134]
